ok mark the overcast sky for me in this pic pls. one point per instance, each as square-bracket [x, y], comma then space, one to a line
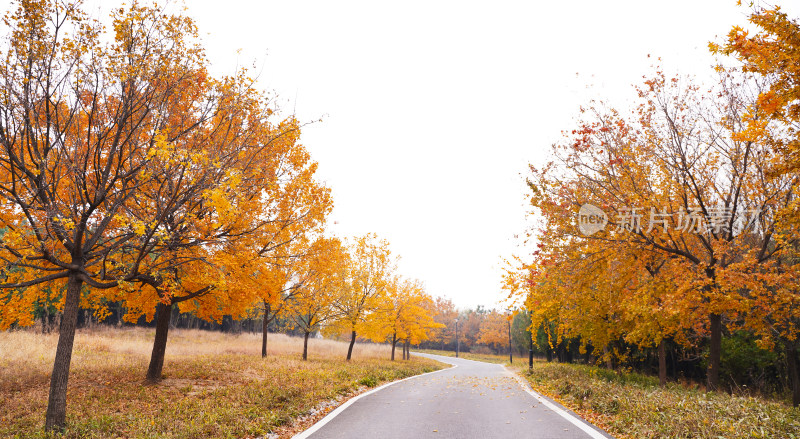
[432, 110]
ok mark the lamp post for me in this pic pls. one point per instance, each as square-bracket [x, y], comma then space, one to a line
[458, 341]
[510, 356]
[530, 340]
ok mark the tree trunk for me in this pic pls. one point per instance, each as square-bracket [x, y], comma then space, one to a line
[607, 357]
[408, 350]
[394, 344]
[510, 355]
[530, 358]
[794, 374]
[714, 351]
[352, 342]
[163, 314]
[264, 336]
[173, 317]
[264, 332]
[45, 318]
[305, 345]
[57, 402]
[662, 363]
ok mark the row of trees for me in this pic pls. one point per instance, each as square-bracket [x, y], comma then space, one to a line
[687, 225]
[479, 330]
[133, 180]
[355, 290]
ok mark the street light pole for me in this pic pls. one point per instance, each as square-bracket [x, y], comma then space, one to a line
[510, 356]
[458, 340]
[530, 340]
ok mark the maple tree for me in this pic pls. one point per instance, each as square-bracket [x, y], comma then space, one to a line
[296, 211]
[494, 330]
[274, 289]
[206, 250]
[469, 326]
[686, 187]
[370, 270]
[772, 52]
[127, 169]
[584, 292]
[420, 321]
[444, 313]
[231, 184]
[82, 120]
[404, 313]
[319, 283]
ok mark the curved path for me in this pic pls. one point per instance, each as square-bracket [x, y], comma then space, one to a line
[471, 400]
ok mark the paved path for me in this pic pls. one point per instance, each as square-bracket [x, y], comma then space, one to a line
[471, 400]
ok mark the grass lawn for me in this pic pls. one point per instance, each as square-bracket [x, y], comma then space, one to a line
[216, 385]
[633, 406]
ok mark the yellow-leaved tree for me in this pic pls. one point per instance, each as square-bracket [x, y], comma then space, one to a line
[684, 183]
[127, 169]
[318, 282]
[90, 126]
[404, 313]
[495, 330]
[370, 270]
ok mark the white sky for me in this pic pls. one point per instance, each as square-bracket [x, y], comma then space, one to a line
[433, 109]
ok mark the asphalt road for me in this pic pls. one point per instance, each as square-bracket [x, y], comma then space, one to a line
[471, 400]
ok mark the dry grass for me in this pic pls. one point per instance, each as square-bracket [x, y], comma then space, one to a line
[216, 385]
[630, 405]
[33, 347]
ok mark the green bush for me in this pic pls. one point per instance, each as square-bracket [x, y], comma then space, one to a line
[746, 366]
[369, 381]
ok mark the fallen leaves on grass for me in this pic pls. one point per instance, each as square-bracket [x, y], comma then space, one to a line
[223, 390]
[630, 405]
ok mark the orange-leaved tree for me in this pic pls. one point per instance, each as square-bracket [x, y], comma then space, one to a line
[772, 52]
[369, 272]
[294, 213]
[405, 313]
[495, 330]
[684, 177]
[419, 320]
[86, 129]
[318, 283]
[213, 190]
[444, 314]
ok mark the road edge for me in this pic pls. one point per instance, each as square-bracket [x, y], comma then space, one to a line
[336, 412]
[592, 430]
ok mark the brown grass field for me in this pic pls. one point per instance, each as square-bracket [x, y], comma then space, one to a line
[215, 384]
[633, 406]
